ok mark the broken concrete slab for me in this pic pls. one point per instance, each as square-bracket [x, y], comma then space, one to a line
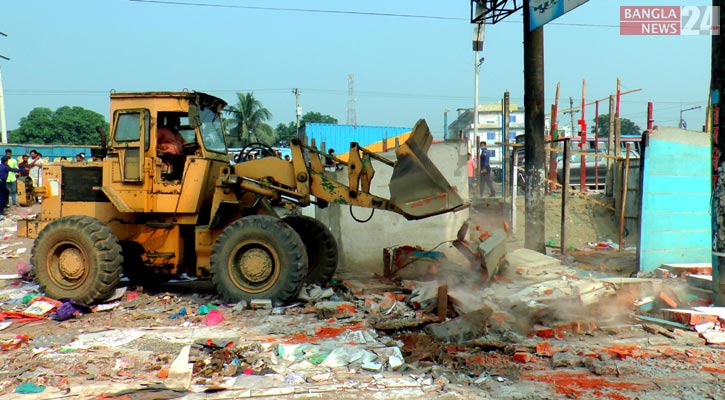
[334, 309]
[693, 268]
[466, 327]
[493, 252]
[566, 360]
[688, 317]
[699, 281]
[534, 266]
[466, 300]
[714, 337]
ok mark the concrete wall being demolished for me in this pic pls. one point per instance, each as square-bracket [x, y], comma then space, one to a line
[361, 245]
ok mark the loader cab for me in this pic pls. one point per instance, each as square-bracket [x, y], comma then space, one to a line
[139, 176]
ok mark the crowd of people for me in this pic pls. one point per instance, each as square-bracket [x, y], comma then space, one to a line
[30, 165]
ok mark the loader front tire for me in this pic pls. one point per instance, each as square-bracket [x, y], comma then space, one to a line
[320, 245]
[77, 257]
[259, 257]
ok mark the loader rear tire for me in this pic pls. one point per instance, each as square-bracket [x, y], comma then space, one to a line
[259, 257]
[77, 257]
[320, 245]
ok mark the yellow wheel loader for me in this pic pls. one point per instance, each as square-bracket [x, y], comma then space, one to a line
[137, 212]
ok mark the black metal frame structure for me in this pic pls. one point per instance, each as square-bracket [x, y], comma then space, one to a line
[496, 10]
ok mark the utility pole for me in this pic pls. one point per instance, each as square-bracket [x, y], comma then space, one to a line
[3, 125]
[683, 123]
[534, 135]
[298, 109]
[478, 36]
[477, 139]
[571, 113]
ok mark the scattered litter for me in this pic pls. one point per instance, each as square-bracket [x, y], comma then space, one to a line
[260, 304]
[312, 292]
[111, 338]
[29, 388]
[181, 313]
[214, 317]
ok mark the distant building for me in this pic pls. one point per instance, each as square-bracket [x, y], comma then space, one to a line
[490, 124]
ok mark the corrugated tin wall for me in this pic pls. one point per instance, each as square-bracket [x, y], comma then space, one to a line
[49, 151]
[675, 224]
[339, 137]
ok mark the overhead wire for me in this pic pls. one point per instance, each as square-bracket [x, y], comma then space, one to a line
[348, 12]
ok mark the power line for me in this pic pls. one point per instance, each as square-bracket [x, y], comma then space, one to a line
[307, 10]
[359, 13]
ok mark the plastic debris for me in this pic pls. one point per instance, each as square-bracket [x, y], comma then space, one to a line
[28, 297]
[29, 388]
[181, 313]
[214, 317]
[16, 343]
[23, 269]
[66, 311]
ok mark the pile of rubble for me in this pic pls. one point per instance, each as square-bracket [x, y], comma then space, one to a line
[429, 328]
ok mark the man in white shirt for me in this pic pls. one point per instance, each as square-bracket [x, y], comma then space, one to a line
[36, 168]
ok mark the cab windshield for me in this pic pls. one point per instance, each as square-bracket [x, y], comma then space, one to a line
[211, 131]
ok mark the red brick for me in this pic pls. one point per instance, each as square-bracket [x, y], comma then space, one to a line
[545, 333]
[668, 300]
[688, 317]
[544, 349]
[714, 368]
[388, 301]
[522, 357]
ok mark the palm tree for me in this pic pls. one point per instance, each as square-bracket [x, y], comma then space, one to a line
[251, 120]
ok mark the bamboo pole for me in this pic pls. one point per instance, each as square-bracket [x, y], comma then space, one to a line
[610, 148]
[554, 126]
[596, 144]
[583, 141]
[574, 108]
[514, 189]
[583, 196]
[625, 186]
[564, 195]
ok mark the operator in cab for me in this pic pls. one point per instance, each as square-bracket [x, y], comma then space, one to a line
[170, 146]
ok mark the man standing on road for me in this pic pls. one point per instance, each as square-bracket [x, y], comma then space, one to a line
[471, 163]
[486, 181]
[4, 170]
[36, 170]
[12, 179]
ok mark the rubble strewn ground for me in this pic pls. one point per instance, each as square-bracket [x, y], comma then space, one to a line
[545, 327]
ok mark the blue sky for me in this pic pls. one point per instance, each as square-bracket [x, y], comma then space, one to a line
[74, 52]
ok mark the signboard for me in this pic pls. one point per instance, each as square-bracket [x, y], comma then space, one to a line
[543, 11]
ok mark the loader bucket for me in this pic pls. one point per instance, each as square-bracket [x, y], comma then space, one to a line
[418, 188]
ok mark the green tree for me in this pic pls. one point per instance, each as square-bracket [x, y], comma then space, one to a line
[628, 127]
[250, 122]
[287, 132]
[66, 125]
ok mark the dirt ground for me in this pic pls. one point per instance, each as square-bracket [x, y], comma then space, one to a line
[522, 345]
[589, 226]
